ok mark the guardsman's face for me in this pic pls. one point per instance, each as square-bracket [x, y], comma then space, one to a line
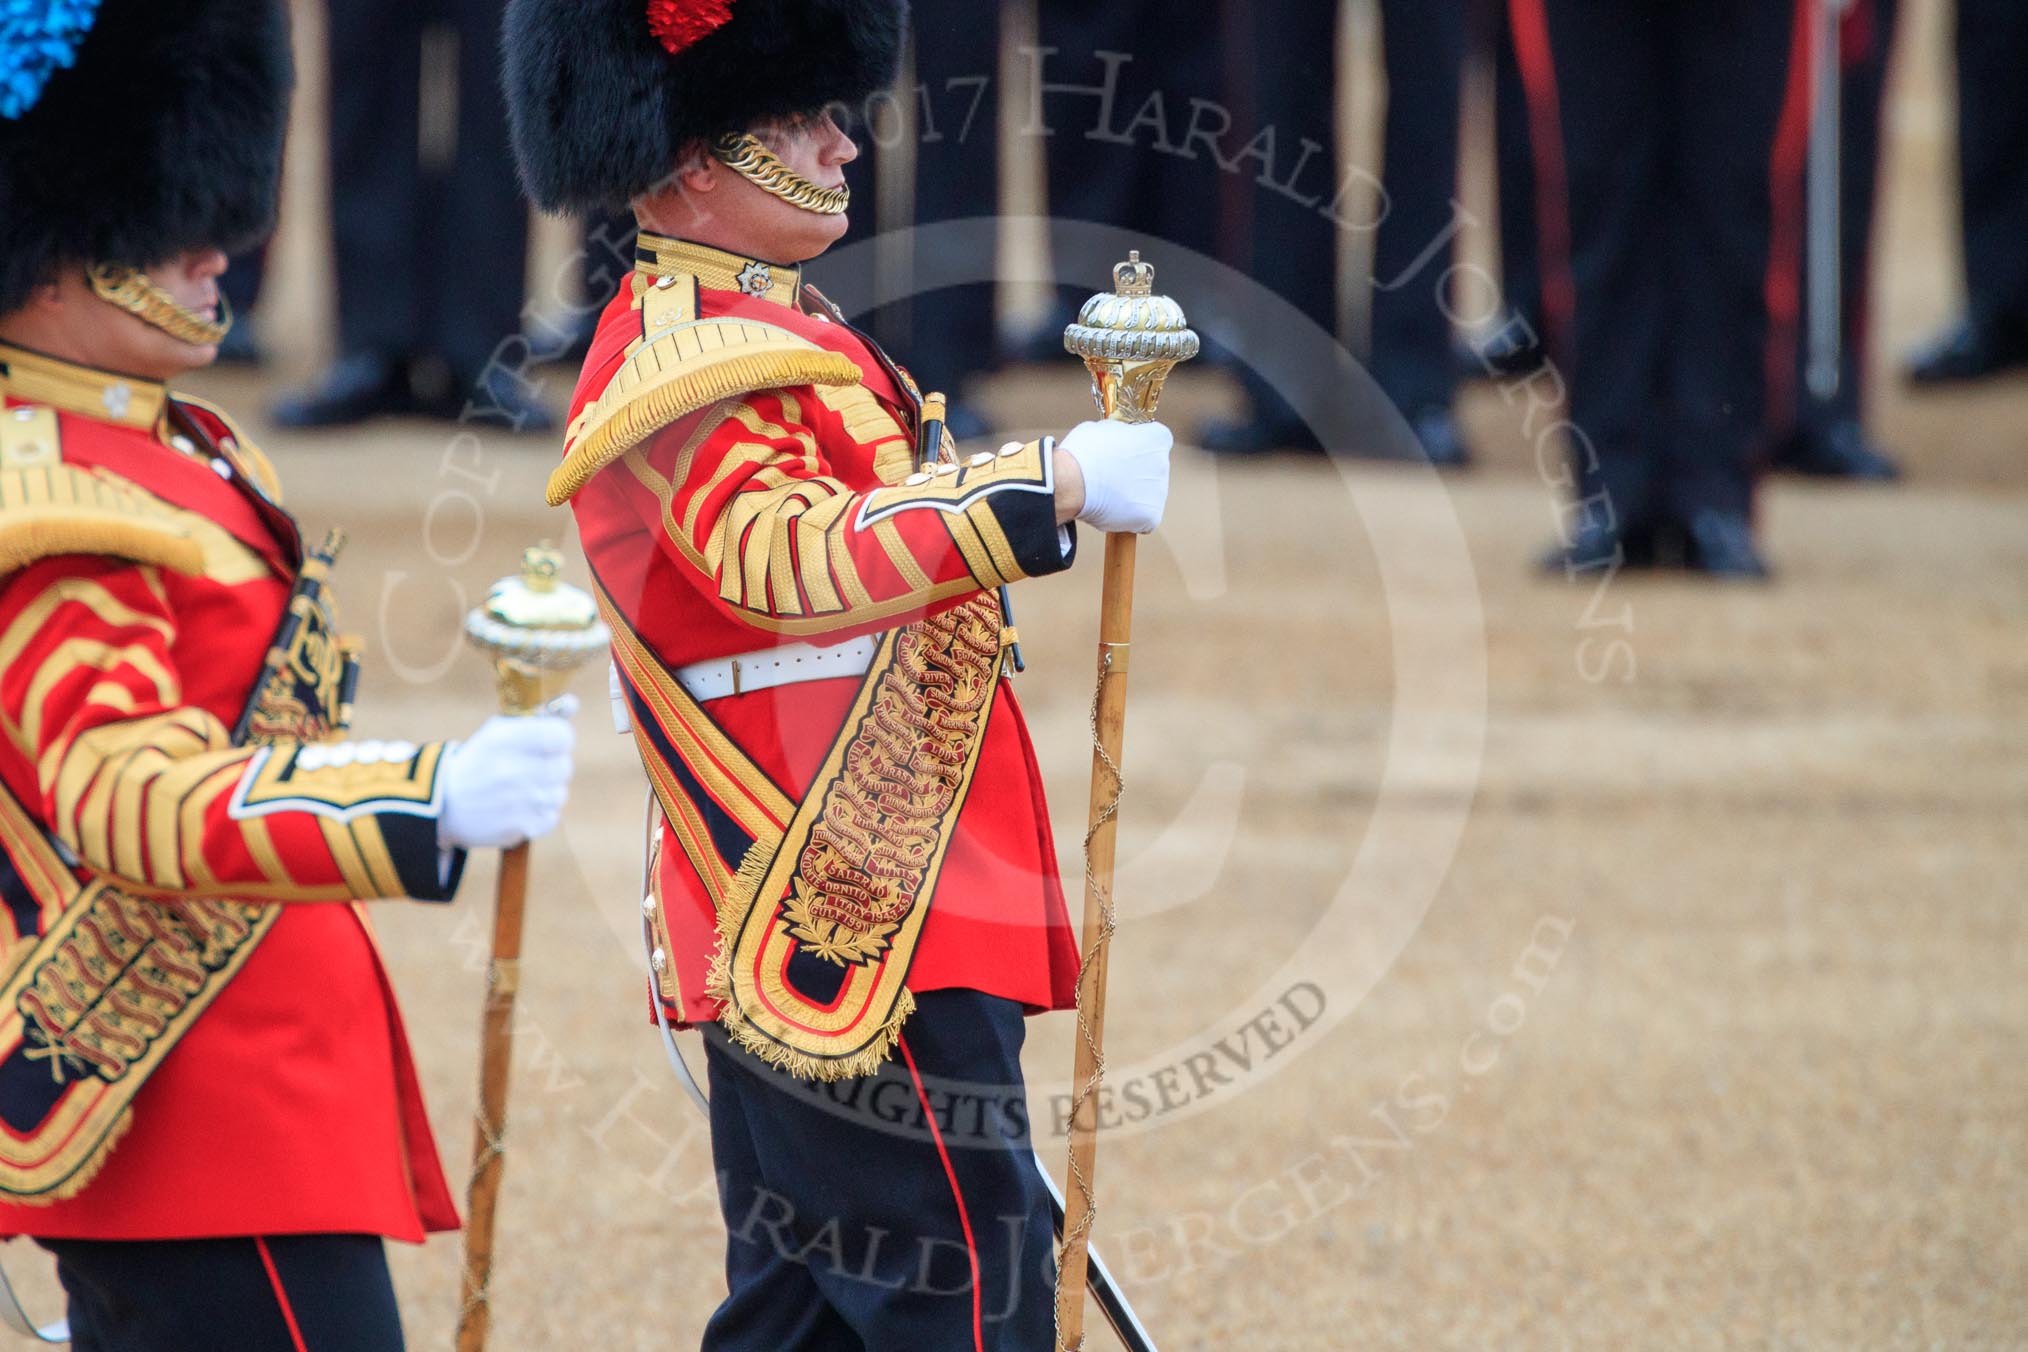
[66, 320]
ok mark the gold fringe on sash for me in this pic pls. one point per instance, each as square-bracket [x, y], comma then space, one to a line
[739, 898]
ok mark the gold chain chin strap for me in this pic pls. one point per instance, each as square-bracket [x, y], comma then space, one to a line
[135, 292]
[743, 153]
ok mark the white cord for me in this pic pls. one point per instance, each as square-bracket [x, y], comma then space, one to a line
[676, 1061]
[16, 1318]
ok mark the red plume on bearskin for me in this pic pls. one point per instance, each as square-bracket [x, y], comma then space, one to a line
[604, 96]
[678, 23]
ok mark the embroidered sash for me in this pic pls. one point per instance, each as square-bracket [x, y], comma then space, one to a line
[93, 1003]
[821, 903]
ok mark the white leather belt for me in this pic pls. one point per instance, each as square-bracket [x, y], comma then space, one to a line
[771, 667]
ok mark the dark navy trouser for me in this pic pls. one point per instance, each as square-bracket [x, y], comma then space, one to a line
[283, 1293]
[900, 1210]
[1670, 137]
[1992, 42]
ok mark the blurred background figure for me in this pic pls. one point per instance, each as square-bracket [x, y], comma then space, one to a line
[429, 232]
[1286, 78]
[1122, 86]
[954, 109]
[1423, 48]
[1147, 126]
[241, 286]
[1511, 346]
[563, 331]
[1116, 89]
[1992, 334]
[1829, 438]
[1669, 140]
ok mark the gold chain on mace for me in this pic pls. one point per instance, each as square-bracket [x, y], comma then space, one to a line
[480, 1287]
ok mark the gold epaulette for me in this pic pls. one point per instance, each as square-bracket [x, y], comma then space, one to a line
[678, 371]
[49, 508]
[249, 459]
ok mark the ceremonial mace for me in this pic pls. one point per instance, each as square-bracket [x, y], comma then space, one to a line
[1130, 339]
[538, 630]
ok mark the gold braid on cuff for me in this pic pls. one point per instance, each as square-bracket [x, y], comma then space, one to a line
[743, 153]
[135, 292]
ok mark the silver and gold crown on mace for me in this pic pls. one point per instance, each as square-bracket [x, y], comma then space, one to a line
[537, 628]
[1130, 339]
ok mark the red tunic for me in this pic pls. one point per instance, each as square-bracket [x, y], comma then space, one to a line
[291, 1106]
[703, 539]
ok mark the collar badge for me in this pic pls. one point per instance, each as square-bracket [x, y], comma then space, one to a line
[116, 397]
[755, 278]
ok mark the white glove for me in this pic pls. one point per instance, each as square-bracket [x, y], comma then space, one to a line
[1126, 473]
[507, 782]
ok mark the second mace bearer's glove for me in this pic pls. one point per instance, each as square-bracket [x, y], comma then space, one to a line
[1126, 473]
[507, 782]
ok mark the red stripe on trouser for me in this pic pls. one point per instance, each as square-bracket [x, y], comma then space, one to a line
[281, 1296]
[1784, 284]
[964, 1213]
[1533, 54]
[1856, 37]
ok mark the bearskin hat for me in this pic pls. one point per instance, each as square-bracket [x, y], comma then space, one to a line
[134, 130]
[604, 95]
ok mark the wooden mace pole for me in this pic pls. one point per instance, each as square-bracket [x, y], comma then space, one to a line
[496, 1056]
[537, 629]
[1109, 719]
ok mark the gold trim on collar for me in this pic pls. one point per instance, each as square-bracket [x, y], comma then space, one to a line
[717, 269]
[106, 395]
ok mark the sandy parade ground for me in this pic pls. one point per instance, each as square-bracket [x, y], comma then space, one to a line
[1507, 960]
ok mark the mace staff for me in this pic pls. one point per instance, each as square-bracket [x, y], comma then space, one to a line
[1130, 339]
[538, 630]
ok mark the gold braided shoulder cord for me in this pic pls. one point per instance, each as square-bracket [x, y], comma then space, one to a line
[743, 153]
[135, 292]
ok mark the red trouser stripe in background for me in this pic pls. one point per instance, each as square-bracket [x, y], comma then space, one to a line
[1532, 53]
[1786, 168]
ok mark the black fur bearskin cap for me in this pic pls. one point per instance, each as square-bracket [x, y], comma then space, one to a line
[602, 108]
[164, 136]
